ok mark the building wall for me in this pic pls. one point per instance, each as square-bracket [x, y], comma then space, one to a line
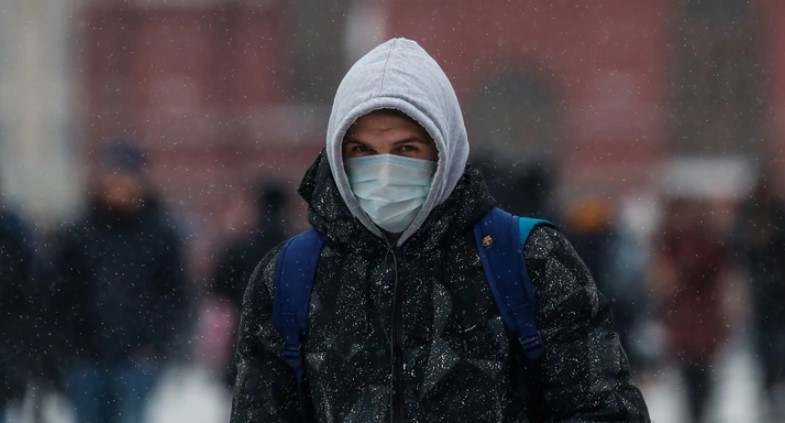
[774, 42]
[604, 58]
[211, 87]
[204, 89]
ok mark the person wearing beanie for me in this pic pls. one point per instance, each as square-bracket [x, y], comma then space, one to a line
[402, 325]
[120, 291]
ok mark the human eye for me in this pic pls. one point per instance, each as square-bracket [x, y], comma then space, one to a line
[408, 148]
[356, 149]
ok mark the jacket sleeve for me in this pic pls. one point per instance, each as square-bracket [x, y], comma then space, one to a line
[265, 389]
[584, 371]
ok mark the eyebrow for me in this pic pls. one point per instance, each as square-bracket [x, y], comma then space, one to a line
[399, 142]
[410, 139]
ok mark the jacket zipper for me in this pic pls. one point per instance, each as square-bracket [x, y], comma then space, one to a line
[397, 347]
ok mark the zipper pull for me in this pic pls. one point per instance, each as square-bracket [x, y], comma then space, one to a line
[463, 337]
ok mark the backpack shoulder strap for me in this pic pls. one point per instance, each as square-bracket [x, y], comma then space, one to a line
[500, 238]
[294, 275]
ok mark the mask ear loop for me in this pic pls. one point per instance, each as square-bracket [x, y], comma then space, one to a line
[357, 200]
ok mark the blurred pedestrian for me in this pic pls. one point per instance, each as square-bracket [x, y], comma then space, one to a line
[689, 265]
[522, 187]
[240, 257]
[402, 325]
[120, 294]
[17, 308]
[616, 264]
[759, 237]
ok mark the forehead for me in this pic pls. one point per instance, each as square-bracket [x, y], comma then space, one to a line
[384, 121]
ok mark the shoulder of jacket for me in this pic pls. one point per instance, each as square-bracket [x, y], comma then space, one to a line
[544, 241]
[263, 275]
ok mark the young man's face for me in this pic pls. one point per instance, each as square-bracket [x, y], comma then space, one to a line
[388, 133]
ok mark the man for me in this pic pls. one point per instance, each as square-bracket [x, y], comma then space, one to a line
[121, 292]
[689, 270]
[402, 325]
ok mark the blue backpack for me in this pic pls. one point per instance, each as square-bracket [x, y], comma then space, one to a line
[500, 238]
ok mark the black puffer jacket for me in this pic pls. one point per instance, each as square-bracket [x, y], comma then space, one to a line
[412, 333]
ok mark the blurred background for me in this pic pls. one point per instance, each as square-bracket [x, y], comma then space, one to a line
[650, 131]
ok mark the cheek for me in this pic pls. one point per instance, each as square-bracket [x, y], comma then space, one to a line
[345, 151]
[432, 154]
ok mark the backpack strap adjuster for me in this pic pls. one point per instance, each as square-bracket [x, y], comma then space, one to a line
[293, 355]
[533, 345]
[292, 352]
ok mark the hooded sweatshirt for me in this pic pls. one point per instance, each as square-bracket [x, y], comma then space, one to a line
[400, 75]
[410, 332]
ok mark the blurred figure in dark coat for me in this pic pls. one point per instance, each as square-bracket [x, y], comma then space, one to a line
[759, 236]
[17, 293]
[121, 292]
[689, 269]
[522, 187]
[614, 261]
[240, 257]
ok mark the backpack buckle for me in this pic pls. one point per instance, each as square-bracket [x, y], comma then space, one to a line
[293, 354]
[532, 346]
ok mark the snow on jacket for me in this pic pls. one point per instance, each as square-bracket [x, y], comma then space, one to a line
[409, 331]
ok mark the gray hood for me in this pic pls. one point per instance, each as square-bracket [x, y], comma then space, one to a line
[400, 75]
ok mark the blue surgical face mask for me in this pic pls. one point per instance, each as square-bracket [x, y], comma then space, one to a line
[390, 188]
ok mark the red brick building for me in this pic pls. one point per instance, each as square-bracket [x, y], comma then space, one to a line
[228, 90]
